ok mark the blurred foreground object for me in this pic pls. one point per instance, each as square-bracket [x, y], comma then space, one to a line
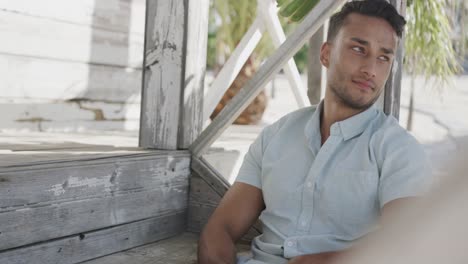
[433, 231]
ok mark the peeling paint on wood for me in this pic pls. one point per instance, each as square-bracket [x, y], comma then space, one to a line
[162, 75]
[62, 199]
[194, 71]
[84, 246]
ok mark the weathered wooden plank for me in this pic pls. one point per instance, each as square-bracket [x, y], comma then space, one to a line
[77, 110]
[181, 249]
[70, 42]
[194, 72]
[162, 74]
[210, 175]
[86, 246]
[115, 15]
[35, 78]
[292, 44]
[39, 222]
[201, 192]
[54, 182]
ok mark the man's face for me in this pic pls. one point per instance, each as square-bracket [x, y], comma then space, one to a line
[359, 60]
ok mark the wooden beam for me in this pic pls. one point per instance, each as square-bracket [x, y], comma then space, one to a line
[293, 43]
[174, 71]
[233, 65]
[196, 45]
[393, 86]
[90, 245]
[46, 201]
[314, 67]
[162, 74]
[210, 175]
[269, 12]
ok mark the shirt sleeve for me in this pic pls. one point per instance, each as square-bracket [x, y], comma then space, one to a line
[405, 169]
[251, 168]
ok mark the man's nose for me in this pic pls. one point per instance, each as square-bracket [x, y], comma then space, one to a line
[369, 67]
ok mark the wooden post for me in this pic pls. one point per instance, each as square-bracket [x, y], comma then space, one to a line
[391, 94]
[174, 63]
[314, 67]
[194, 75]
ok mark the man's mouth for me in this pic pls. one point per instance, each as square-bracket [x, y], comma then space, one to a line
[364, 85]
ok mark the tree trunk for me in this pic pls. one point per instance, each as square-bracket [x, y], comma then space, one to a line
[253, 113]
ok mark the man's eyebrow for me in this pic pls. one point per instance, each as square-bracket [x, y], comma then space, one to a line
[366, 43]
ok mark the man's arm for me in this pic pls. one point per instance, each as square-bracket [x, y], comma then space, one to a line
[389, 210]
[236, 213]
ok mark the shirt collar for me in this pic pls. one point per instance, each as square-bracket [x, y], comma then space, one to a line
[347, 128]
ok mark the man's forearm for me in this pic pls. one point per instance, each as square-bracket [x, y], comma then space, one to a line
[320, 258]
[216, 247]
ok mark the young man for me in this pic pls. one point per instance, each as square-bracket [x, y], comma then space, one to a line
[323, 177]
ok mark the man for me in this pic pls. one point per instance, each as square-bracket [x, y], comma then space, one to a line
[322, 177]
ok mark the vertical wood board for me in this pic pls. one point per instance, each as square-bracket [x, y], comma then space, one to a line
[162, 74]
[194, 71]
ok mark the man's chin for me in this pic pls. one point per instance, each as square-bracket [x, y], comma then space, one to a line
[358, 104]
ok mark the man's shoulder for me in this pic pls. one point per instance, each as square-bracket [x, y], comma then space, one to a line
[389, 134]
[292, 120]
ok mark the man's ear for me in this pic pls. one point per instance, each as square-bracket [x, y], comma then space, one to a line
[325, 54]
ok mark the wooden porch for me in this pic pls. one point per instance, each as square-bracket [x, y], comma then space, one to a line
[72, 199]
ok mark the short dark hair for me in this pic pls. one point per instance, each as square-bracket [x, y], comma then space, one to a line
[375, 8]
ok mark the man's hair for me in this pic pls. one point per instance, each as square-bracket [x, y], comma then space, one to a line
[374, 8]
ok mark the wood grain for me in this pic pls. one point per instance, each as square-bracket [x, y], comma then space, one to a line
[69, 42]
[112, 15]
[57, 199]
[86, 246]
[162, 75]
[194, 72]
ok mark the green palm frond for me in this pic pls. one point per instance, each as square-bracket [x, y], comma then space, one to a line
[295, 10]
[428, 45]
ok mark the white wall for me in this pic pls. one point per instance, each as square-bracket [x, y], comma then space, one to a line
[69, 65]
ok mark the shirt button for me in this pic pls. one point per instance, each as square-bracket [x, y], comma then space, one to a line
[309, 184]
[290, 243]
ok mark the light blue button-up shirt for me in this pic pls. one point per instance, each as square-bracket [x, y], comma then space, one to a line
[322, 198]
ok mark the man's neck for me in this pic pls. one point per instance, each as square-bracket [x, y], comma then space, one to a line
[333, 112]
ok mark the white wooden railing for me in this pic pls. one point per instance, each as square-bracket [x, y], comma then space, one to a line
[267, 21]
[252, 88]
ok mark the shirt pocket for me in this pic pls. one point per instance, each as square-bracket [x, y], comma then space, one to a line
[348, 202]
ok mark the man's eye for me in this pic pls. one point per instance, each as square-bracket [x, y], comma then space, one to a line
[358, 49]
[384, 58]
